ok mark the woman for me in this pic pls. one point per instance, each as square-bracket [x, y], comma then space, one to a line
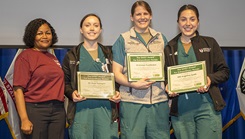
[144, 105]
[39, 84]
[196, 114]
[89, 118]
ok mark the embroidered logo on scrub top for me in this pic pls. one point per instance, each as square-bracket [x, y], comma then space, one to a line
[203, 50]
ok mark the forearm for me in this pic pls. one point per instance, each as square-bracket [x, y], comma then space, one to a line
[122, 80]
[119, 76]
[20, 104]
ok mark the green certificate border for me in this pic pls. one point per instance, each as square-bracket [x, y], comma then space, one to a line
[188, 77]
[97, 85]
[138, 65]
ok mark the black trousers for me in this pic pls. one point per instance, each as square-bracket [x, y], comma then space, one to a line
[48, 119]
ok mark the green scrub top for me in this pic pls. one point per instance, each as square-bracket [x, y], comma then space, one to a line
[88, 64]
[190, 100]
[93, 116]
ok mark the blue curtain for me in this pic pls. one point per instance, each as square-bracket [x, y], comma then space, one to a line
[234, 59]
[6, 57]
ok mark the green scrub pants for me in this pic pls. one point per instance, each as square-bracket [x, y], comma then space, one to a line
[197, 118]
[93, 121]
[144, 121]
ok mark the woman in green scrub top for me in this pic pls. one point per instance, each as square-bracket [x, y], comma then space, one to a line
[144, 110]
[89, 118]
[196, 114]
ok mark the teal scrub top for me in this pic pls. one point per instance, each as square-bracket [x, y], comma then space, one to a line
[191, 100]
[88, 64]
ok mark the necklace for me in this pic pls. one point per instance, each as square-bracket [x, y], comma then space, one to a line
[185, 41]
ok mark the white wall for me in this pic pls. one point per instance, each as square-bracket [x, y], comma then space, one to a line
[222, 19]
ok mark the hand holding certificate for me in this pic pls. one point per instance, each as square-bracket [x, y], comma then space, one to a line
[145, 65]
[187, 77]
[99, 85]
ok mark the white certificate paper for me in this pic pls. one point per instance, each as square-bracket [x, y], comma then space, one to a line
[99, 85]
[145, 65]
[187, 77]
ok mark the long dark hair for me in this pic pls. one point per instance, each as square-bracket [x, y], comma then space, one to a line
[91, 14]
[188, 7]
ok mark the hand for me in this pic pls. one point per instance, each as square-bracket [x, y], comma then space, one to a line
[116, 98]
[76, 97]
[170, 94]
[205, 88]
[26, 126]
[142, 84]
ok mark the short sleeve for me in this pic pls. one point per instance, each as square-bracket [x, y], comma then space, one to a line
[22, 73]
[118, 50]
[165, 40]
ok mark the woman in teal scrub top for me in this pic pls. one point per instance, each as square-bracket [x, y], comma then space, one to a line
[89, 118]
[196, 114]
[144, 110]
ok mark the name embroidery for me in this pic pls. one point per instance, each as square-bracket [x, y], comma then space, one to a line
[204, 50]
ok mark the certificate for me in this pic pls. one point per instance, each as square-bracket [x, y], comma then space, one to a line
[187, 77]
[145, 65]
[98, 85]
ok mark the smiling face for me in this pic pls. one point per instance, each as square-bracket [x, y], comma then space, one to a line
[91, 28]
[141, 19]
[43, 39]
[188, 23]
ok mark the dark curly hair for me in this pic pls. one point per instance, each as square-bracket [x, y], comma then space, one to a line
[31, 31]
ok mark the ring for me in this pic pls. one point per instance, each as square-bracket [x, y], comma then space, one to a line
[205, 87]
